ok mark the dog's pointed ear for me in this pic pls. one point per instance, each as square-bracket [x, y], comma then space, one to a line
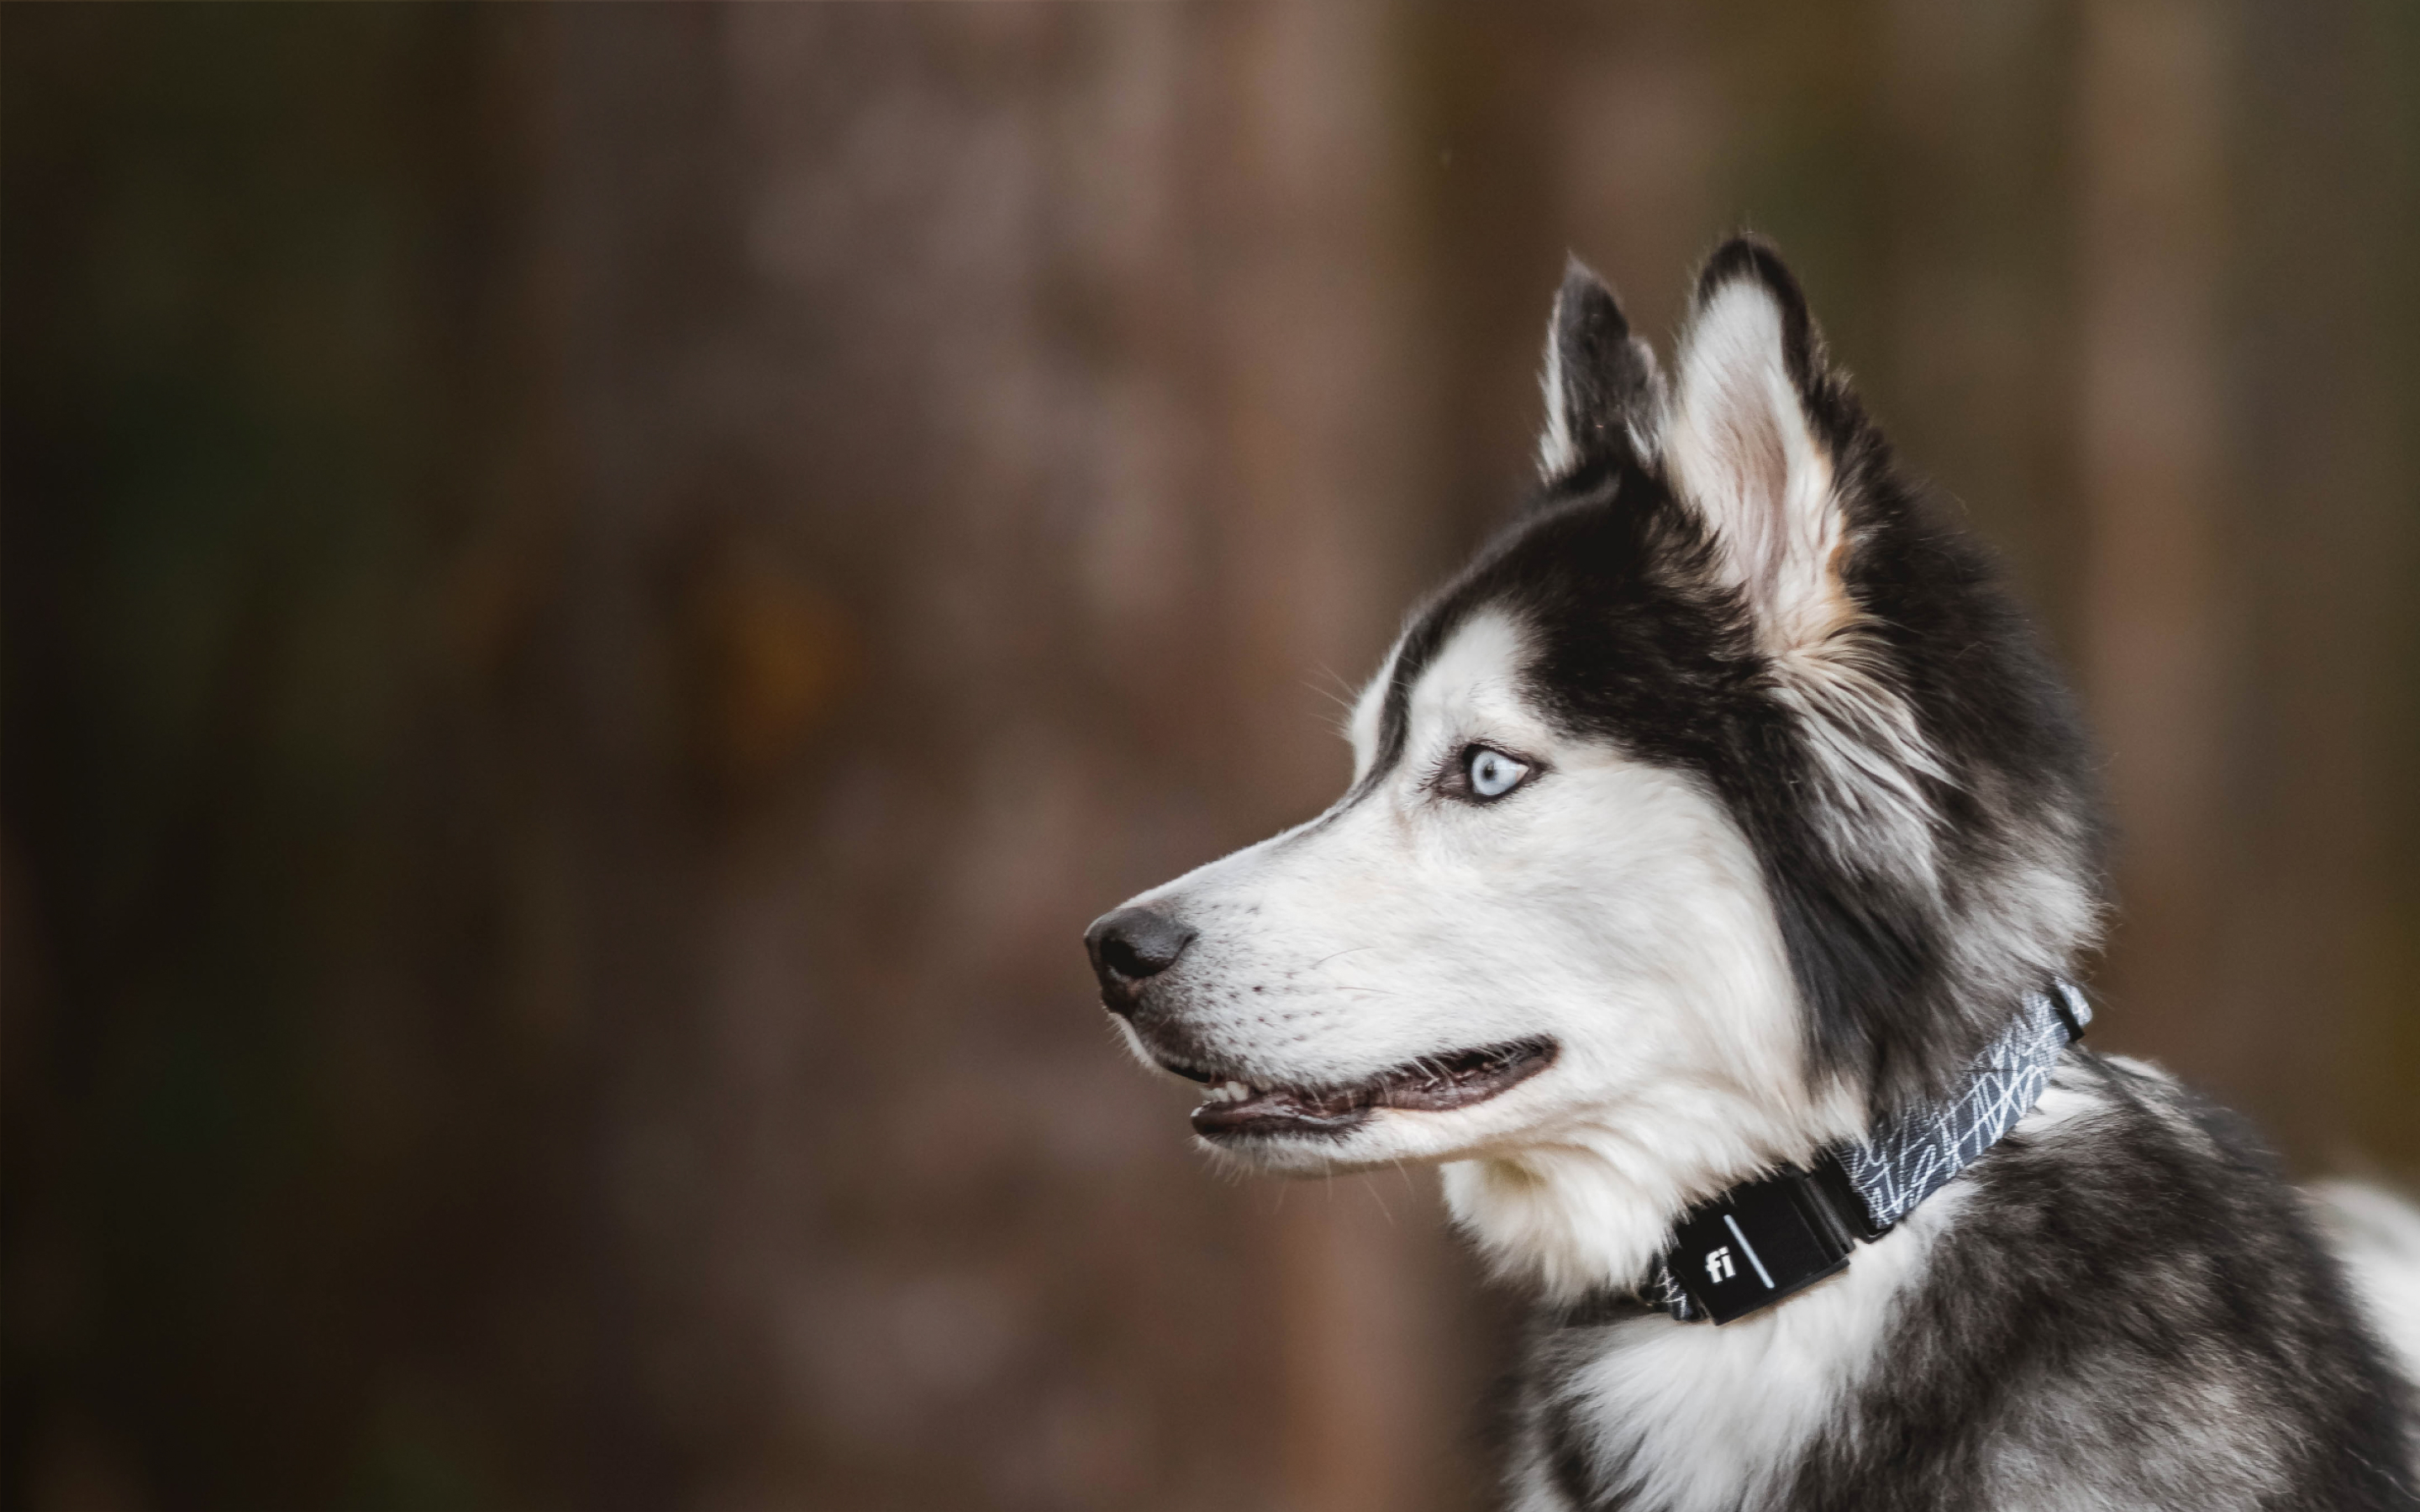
[1603, 391]
[1744, 447]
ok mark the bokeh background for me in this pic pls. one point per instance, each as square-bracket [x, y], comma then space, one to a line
[594, 596]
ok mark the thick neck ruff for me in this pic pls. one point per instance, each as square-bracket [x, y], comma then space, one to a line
[1765, 1240]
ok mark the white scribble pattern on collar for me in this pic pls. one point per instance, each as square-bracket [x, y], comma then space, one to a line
[1910, 1157]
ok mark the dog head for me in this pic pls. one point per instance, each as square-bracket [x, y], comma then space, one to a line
[1723, 801]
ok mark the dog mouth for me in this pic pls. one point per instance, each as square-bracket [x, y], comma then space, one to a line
[1432, 1084]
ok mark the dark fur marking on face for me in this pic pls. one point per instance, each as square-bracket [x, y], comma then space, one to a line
[1634, 643]
[1636, 639]
[1434, 623]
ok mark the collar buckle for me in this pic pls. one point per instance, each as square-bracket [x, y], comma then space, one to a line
[1758, 1242]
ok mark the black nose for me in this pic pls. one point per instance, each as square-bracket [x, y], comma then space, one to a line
[1131, 946]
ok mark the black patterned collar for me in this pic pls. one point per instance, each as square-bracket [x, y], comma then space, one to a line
[1765, 1240]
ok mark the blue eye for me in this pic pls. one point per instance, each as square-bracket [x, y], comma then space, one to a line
[1492, 773]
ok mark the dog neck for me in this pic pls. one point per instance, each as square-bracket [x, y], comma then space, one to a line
[1595, 1212]
[1807, 1222]
[1591, 1211]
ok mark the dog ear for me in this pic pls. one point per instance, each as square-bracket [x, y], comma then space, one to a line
[1603, 391]
[1746, 446]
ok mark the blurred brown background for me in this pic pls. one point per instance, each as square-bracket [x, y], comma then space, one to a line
[594, 596]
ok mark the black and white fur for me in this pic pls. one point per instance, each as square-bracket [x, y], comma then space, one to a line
[1726, 801]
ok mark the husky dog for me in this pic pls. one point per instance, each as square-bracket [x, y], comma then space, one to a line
[1719, 847]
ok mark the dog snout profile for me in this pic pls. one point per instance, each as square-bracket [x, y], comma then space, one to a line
[1129, 947]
